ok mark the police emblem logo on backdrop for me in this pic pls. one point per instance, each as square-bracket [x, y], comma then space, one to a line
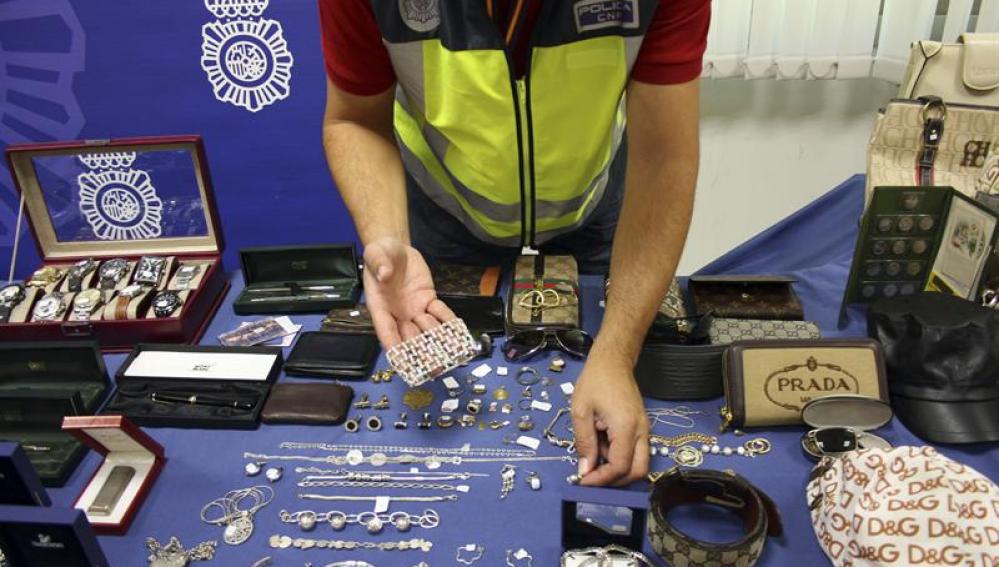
[420, 15]
[245, 55]
[119, 203]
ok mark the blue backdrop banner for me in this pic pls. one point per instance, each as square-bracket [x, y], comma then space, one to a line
[249, 79]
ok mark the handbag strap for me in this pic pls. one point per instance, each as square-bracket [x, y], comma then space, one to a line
[933, 114]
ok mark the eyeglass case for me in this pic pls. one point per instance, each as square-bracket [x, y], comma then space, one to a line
[295, 268]
[40, 383]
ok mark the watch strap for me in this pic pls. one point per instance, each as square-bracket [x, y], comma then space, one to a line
[679, 487]
[5, 311]
[121, 306]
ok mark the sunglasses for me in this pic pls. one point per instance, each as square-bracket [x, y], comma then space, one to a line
[522, 345]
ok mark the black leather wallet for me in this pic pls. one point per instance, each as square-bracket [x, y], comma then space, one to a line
[482, 314]
[333, 355]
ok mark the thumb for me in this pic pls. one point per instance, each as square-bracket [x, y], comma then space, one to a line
[585, 430]
[382, 257]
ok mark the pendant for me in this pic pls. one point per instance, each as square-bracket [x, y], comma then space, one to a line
[239, 530]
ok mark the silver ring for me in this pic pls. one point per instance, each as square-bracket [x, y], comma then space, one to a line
[374, 423]
[536, 376]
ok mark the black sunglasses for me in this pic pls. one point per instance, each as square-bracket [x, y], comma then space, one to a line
[525, 344]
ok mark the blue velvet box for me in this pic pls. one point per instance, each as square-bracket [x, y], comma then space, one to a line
[603, 516]
[19, 484]
[32, 536]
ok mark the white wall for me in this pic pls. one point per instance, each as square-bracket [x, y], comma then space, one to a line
[770, 147]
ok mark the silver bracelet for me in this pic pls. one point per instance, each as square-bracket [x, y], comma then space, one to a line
[463, 451]
[341, 498]
[604, 557]
[378, 476]
[355, 458]
[284, 542]
[317, 482]
[374, 523]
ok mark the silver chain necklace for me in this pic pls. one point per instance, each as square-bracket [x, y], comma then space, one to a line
[463, 451]
[373, 522]
[316, 483]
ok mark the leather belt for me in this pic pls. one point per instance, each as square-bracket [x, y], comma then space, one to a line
[680, 372]
[679, 487]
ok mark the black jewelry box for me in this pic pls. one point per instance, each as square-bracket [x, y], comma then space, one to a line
[32, 536]
[40, 383]
[298, 279]
[209, 387]
[19, 483]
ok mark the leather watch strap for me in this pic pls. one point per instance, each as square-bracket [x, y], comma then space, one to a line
[679, 487]
[121, 307]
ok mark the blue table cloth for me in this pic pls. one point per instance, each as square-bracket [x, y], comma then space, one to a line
[814, 245]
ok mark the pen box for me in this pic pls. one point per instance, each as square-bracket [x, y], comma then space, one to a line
[298, 279]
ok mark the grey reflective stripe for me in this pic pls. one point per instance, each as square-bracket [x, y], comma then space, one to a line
[407, 62]
[632, 45]
[448, 202]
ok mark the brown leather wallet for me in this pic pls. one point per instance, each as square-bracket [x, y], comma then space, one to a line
[308, 404]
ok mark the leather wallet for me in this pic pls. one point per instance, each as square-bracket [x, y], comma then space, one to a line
[544, 293]
[324, 354]
[348, 320]
[482, 315]
[746, 297]
[308, 404]
[728, 331]
[456, 279]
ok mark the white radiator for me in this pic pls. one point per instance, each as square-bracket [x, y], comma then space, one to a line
[832, 39]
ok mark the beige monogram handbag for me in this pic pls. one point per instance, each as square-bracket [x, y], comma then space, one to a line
[930, 142]
[966, 72]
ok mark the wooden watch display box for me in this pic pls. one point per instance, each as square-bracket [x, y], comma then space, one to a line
[115, 203]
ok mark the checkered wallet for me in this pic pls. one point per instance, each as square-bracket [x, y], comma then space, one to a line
[727, 331]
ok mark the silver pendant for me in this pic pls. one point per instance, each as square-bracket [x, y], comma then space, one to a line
[238, 531]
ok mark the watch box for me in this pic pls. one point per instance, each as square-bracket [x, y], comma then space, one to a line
[19, 483]
[598, 517]
[33, 536]
[40, 383]
[96, 209]
[921, 238]
[212, 387]
[298, 279]
[131, 463]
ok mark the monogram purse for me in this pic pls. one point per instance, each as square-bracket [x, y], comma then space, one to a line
[931, 142]
[768, 383]
[746, 297]
[544, 293]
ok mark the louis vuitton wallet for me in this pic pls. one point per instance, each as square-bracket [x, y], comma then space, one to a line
[746, 297]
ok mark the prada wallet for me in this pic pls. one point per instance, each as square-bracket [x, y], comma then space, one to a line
[333, 355]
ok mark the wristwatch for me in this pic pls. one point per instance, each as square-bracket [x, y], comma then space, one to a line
[45, 276]
[149, 271]
[50, 307]
[86, 303]
[124, 298]
[186, 274]
[112, 272]
[10, 296]
[74, 278]
[165, 303]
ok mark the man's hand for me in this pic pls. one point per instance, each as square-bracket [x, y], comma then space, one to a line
[399, 292]
[608, 417]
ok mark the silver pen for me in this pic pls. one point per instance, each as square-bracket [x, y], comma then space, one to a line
[296, 297]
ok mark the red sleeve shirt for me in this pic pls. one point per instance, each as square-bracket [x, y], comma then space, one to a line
[357, 61]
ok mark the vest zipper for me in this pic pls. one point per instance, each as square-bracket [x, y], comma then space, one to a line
[527, 167]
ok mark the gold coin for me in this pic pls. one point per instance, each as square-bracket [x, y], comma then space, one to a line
[418, 398]
[501, 393]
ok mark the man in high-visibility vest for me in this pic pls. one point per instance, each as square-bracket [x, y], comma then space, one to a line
[465, 130]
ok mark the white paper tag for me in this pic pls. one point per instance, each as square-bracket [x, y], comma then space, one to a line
[382, 504]
[542, 406]
[520, 554]
[529, 442]
[450, 383]
[470, 547]
[462, 488]
[449, 406]
[414, 470]
[481, 370]
[355, 313]
[466, 447]
[568, 388]
[502, 370]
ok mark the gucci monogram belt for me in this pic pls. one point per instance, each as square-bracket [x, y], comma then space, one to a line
[679, 487]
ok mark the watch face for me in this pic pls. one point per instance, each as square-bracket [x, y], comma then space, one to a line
[113, 269]
[131, 291]
[44, 276]
[165, 303]
[11, 294]
[83, 266]
[87, 299]
[149, 269]
[49, 306]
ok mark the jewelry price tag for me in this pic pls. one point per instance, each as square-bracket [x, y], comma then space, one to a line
[529, 442]
[382, 504]
[482, 370]
[449, 406]
[502, 370]
[542, 406]
[462, 488]
[568, 388]
[450, 383]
